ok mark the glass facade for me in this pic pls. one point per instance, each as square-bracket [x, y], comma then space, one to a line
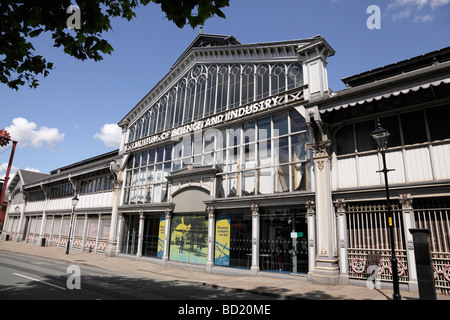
[234, 239]
[283, 241]
[210, 89]
[263, 156]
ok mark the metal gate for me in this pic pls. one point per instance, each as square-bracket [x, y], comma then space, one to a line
[369, 247]
[434, 215]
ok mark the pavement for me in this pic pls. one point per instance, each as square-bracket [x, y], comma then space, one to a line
[284, 288]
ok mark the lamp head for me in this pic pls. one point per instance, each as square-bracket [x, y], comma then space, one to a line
[75, 201]
[380, 135]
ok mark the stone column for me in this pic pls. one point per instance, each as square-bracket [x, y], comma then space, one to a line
[211, 238]
[83, 241]
[327, 269]
[21, 227]
[311, 220]
[99, 229]
[255, 239]
[168, 220]
[111, 248]
[119, 237]
[141, 234]
[342, 239]
[409, 223]
[51, 232]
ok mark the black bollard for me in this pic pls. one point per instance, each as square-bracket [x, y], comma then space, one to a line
[425, 273]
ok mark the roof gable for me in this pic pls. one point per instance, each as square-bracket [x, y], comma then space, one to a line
[209, 49]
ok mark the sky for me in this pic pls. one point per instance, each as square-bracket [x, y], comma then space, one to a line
[73, 114]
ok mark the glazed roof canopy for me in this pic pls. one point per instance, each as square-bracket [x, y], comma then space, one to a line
[222, 49]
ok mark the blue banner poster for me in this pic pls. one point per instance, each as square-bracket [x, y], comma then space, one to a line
[222, 247]
[162, 232]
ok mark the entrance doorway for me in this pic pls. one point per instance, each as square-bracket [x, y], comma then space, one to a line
[283, 241]
[130, 234]
[150, 236]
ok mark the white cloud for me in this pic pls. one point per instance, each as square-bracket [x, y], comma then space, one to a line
[417, 10]
[27, 133]
[425, 18]
[4, 168]
[438, 3]
[110, 134]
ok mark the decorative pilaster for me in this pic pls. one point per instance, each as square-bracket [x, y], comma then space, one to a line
[168, 213]
[255, 239]
[111, 247]
[99, 228]
[409, 223]
[311, 221]
[140, 234]
[21, 228]
[342, 238]
[211, 238]
[83, 241]
[49, 244]
[120, 225]
[326, 269]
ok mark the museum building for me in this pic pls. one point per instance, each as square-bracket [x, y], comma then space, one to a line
[241, 160]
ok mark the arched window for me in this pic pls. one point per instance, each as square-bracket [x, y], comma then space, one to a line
[190, 101]
[222, 88]
[278, 78]
[294, 76]
[172, 96]
[179, 108]
[211, 88]
[207, 90]
[248, 84]
[235, 86]
[200, 97]
[262, 81]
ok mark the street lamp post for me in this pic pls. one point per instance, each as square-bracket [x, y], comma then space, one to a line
[74, 204]
[381, 135]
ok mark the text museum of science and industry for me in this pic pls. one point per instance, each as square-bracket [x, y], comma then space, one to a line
[241, 160]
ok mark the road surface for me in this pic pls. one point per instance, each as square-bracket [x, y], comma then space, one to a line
[30, 277]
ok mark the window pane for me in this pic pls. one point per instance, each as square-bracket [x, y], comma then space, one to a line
[264, 131]
[282, 150]
[297, 121]
[137, 160]
[280, 123]
[282, 178]
[391, 124]
[144, 158]
[248, 183]
[438, 122]
[364, 140]
[148, 197]
[234, 136]
[151, 156]
[249, 155]
[264, 153]
[160, 154]
[150, 175]
[168, 154]
[300, 179]
[265, 180]
[299, 147]
[249, 132]
[345, 140]
[413, 126]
